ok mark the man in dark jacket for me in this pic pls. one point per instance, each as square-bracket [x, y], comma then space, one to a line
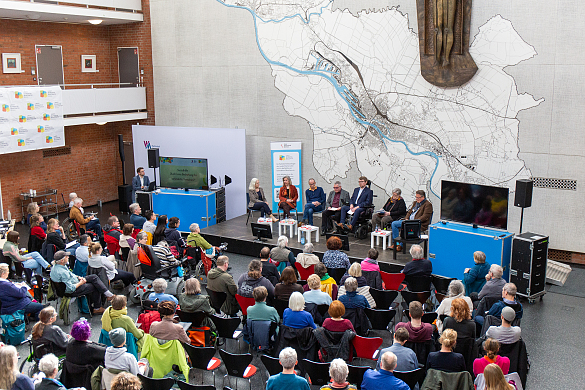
[421, 209]
[394, 210]
[362, 197]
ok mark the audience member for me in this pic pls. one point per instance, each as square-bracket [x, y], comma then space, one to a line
[126, 381]
[90, 223]
[167, 329]
[446, 359]
[82, 251]
[31, 209]
[384, 378]
[508, 299]
[126, 240]
[474, 278]
[315, 200]
[258, 200]
[76, 285]
[117, 356]
[164, 254]
[418, 331]
[351, 299]
[328, 284]
[173, 237]
[288, 284]
[116, 316]
[269, 270]
[406, 358]
[31, 260]
[159, 232]
[494, 378]
[56, 237]
[491, 348]
[15, 297]
[393, 210]
[135, 218]
[49, 365]
[307, 258]
[460, 319]
[72, 197]
[220, 281]
[149, 226]
[333, 257]
[370, 263]
[191, 301]
[10, 378]
[112, 228]
[44, 329]
[294, 316]
[82, 352]
[421, 209]
[96, 260]
[338, 372]
[287, 379]
[505, 333]
[36, 229]
[287, 196]
[253, 278]
[141, 242]
[419, 266]
[315, 295]
[336, 323]
[260, 311]
[456, 290]
[159, 286]
[355, 270]
[494, 283]
[281, 254]
[195, 239]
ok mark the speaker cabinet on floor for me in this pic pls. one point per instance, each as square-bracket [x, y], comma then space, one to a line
[125, 197]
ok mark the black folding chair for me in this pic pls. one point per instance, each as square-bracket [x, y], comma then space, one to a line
[336, 273]
[428, 317]
[226, 327]
[195, 318]
[384, 298]
[380, 319]
[411, 378]
[156, 384]
[318, 372]
[238, 365]
[200, 358]
[217, 299]
[356, 375]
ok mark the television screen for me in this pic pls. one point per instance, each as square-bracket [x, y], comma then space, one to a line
[177, 172]
[474, 204]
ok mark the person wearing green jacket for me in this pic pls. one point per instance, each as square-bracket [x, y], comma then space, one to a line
[194, 239]
[219, 280]
[162, 357]
[116, 316]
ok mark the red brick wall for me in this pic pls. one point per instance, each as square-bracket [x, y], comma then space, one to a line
[93, 169]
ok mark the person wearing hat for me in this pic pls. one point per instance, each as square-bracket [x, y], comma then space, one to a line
[505, 333]
[76, 285]
[116, 356]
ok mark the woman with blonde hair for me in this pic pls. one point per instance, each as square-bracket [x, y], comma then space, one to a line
[56, 237]
[258, 200]
[10, 378]
[287, 196]
[446, 359]
[494, 378]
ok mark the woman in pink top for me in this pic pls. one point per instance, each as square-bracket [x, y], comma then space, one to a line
[370, 263]
[491, 347]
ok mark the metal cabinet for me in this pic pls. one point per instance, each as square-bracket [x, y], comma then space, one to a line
[528, 266]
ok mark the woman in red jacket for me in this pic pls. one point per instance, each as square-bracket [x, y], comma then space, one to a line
[288, 196]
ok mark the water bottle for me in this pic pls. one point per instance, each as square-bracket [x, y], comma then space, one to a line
[377, 228]
[303, 240]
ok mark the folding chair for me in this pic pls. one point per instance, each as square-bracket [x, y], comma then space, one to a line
[202, 358]
[238, 366]
[366, 347]
[392, 281]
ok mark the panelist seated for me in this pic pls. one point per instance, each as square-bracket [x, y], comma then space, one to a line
[421, 209]
[258, 200]
[362, 197]
[315, 197]
[335, 201]
[393, 210]
[288, 196]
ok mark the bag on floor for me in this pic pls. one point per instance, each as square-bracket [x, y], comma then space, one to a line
[13, 325]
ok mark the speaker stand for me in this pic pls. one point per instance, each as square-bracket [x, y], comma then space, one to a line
[521, 219]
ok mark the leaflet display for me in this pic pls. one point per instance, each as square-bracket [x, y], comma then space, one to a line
[188, 173]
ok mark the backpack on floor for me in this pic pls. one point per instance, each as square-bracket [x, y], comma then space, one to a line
[13, 325]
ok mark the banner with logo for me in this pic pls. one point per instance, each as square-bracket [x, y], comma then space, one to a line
[31, 118]
[286, 161]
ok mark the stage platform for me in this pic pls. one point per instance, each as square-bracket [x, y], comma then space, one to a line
[239, 238]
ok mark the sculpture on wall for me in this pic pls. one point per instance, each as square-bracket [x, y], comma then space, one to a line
[443, 34]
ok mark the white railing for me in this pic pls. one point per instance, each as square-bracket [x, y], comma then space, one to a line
[103, 100]
[130, 5]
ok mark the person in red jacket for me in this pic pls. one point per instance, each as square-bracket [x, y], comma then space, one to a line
[288, 196]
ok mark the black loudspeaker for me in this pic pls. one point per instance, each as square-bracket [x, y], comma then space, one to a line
[523, 197]
[125, 197]
[153, 161]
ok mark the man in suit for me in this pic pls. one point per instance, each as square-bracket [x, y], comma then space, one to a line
[421, 209]
[335, 201]
[362, 197]
[140, 182]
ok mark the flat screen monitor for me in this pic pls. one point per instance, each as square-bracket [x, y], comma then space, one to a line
[261, 231]
[344, 239]
[188, 173]
[474, 204]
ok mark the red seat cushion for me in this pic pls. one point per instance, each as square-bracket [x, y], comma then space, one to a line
[250, 371]
[213, 364]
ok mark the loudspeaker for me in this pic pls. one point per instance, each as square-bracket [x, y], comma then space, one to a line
[523, 197]
[153, 161]
[125, 197]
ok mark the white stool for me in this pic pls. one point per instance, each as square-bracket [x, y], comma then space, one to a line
[382, 233]
[308, 229]
[290, 223]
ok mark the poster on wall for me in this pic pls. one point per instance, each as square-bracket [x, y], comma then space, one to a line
[286, 161]
[31, 118]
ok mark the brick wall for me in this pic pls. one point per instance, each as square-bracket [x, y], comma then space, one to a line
[93, 169]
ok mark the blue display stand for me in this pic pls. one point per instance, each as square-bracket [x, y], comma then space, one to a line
[451, 247]
[193, 206]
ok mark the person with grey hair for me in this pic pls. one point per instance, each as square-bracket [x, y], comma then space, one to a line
[287, 196]
[455, 290]
[252, 279]
[419, 266]
[294, 316]
[90, 223]
[384, 378]
[282, 255]
[474, 278]
[508, 299]
[307, 258]
[393, 210]
[135, 218]
[195, 239]
[258, 200]
[159, 286]
[338, 372]
[335, 201]
[315, 198]
[287, 379]
[219, 280]
[49, 365]
[72, 197]
[494, 282]
[351, 299]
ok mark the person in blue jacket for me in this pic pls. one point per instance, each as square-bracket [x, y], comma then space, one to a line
[16, 298]
[474, 278]
[315, 197]
[362, 197]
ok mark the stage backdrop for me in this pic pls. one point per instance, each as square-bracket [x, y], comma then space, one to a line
[224, 149]
[31, 118]
[286, 161]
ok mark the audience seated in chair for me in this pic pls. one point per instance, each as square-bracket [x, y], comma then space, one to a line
[334, 257]
[418, 266]
[494, 378]
[116, 356]
[82, 255]
[159, 232]
[195, 239]
[505, 333]
[44, 330]
[173, 237]
[474, 277]
[159, 286]
[418, 331]
[269, 270]
[112, 233]
[132, 260]
[37, 234]
[336, 322]
[55, 236]
[282, 255]
[135, 218]
[126, 241]
[31, 209]
[10, 378]
[91, 223]
[287, 379]
[406, 358]
[384, 378]
[294, 316]
[328, 284]
[307, 258]
[49, 365]
[220, 281]
[446, 359]
[126, 381]
[96, 260]
[494, 283]
[460, 319]
[456, 290]
[252, 279]
[260, 311]
[338, 371]
[371, 269]
[116, 316]
[149, 226]
[288, 284]
[167, 329]
[491, 348]
[314, 294]
[192, 301]
[32, 260]
[14, 298]
[351, 299]
[508, 299]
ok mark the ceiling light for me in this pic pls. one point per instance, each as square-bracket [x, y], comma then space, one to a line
[95, 21]
[100, 123]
